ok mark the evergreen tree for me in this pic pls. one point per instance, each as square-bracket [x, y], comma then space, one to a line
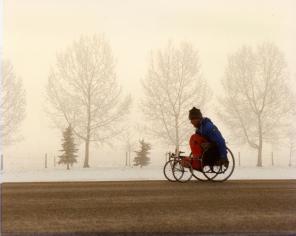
[68, 157]
[142, 158]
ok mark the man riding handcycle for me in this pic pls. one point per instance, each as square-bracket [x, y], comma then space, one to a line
[210, 159]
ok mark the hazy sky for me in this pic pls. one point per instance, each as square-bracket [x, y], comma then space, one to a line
[35, 30]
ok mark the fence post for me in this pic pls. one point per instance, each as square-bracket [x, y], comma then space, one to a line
[272, 161]
[1, 161]
[125, 158]
[45, 161]
[239, 159]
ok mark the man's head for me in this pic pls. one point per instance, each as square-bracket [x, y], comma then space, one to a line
[195, 117]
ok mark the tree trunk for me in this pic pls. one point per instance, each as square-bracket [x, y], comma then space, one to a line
[129, 158]
[1, 161]
[259, 160]
[86, 157]
[45, 161]
[290, 161]
[177, 136]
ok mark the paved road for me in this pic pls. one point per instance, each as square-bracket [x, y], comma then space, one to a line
[149, 206]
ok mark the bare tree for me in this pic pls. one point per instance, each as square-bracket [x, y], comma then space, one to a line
[257, 98]
[13, 104]
[129, 144]
[83, 91]
[173, 85]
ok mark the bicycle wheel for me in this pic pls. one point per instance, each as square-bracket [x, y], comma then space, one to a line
[168, 170]
[181, 173]
[198, 172]
[199, 175]
[220, 173]
[210, 171]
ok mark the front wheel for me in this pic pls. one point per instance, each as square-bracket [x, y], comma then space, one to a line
[182, 171]
[168, 170]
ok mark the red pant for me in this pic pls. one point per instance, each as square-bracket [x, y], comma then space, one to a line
[195, 145]
[196, 149]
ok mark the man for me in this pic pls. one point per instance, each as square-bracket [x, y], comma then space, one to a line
[206, 128]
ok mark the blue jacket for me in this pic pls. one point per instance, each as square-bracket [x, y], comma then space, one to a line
[208, 130]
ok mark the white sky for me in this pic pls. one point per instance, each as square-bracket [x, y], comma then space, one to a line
[35, 30]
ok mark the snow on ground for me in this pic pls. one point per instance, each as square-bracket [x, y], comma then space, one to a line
[128, 173]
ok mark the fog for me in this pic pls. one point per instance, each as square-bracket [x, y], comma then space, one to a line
[34, 32]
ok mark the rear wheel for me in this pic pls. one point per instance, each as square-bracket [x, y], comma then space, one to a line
[220, 173]
[210, 172]
[199, 175]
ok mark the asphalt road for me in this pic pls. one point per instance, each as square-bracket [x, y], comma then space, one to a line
[151, 207]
